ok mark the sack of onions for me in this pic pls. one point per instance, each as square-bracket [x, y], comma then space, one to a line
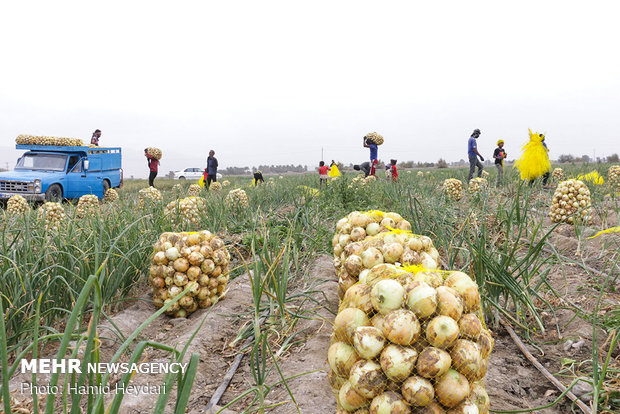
[368, 180]
[196, 261]
[53, 214]
[357, 181]
[186, 211]
[237, 198]
[558, 175]
[225, 183]
[485, 175]
[88, 205]
[420, 174]
[215, 187]
[375, 138]
[149, 194]
[154, 152]
[110, 196]
[453, 188]
[378, 257]
[45, 140]
[357, 226]
[410, 338]
[17, 205]
[613, 175]
[571, 202]
[477, 185]
[194, 190]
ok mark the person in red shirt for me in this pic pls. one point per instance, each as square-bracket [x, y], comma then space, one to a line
[153, 165]
[393, 171]
[323, 169]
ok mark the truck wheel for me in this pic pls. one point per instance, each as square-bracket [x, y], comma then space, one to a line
[181, 178]
[54, 193]
[106, 186]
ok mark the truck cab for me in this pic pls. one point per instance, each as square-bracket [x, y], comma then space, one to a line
[54, 173]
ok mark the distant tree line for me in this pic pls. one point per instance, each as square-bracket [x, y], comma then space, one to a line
[569, 158]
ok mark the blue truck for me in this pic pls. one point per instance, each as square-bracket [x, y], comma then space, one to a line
[54, 173]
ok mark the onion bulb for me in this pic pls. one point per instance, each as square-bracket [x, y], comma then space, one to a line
[470, 326]
[371, 257]
[389, 403]
[442, 331]
[358, 296]
[341, 357]
[372, 229]
[418, 391]
[432, 408]
[422, 300]
[466, 358]
[433, 362]
[368, 341]
[451, 388]
[401, 327]
[480, 397]
[347, 321]
[486, 342]
[387, 295]
[449, 303]
[353, 265]
[398, 362]
[380, 272]
[466, 288]
[367, 378]
[392, 252]
[350, 399]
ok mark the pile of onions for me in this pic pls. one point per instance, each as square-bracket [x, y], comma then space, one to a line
[88, 206]
[237, 198]
[194, 190]
[53, 214]
[409, 339]
[558, 175]
[477, 185]
[613, 175]
[453, 188]
[186, 211]
[149, 194]
[571, 202]
[17, 205]
[363, 242]
[110, 196]
[196, 260]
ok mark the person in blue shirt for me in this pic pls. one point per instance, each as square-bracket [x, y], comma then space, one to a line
[473, 154]
[211, 170]
[373, 154]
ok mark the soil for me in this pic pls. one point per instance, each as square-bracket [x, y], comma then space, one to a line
[512, 382]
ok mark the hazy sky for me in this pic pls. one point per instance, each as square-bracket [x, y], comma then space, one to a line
[272, 82]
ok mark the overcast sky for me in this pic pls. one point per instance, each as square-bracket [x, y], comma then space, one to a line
[273, 82]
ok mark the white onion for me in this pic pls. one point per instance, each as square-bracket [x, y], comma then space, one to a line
[418, 391]
[367, 378]
[449, 303]
[466, 288]
[350, 399]
[442, 331]
[347, 321]
[389, 403]
[341, 357]
[353, 265]
[480, 397]
[485, 342]
[466, 358]
[401, 327]
[422, 300]
[372, 229]
[387, 295]
[363, 275]
[368, 341]
[358, 296]
[466, 406]
[358, 234]
[470, 326]
[371, 257]
[451, 388]
[392, 252]
[433, 362]
[381, 271]
[398, 362]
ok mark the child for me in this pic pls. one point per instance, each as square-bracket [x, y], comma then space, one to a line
[393, 171]
[499, 154]
[373, 154]
[323, 169]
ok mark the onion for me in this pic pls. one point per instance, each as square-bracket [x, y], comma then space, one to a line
[428, 262]
[335, 382]
[442, 331]
[345, 282]
[341, 357]
[336, 240]
[466, 288]
[358, 234]
[360, 220]
[347, 321]
[354, 249]
[433, 279]
[338, 250]
[172, 254]
[470, 326]
[346, 228]
[392, 252]
[466, 358]
[401, 327]
[377, 321]
[353, 265]
[449, 303]
[180, 279]
[363, 275]
[464, 407]
[432, 408]
[160, 258]
[480, 397]
[381, 271]
[207, 266]
[482, 370]
[394, 216]
[368, 341]
[340, 223]
[398, 362]
[433, 362]
[358, 296]
[196, 258]
[344, 239]
[371, 257]
[367, 379]
[418, 391]
[485, 342]
[451, 388]
[181, 265]
[387, 295]
[388, 223]
[372, 229]
[422, 299]
[389, 403]
[404, 225]
[193, 273]
[349, 398]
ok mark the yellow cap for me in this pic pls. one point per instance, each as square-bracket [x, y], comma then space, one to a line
[501, 141]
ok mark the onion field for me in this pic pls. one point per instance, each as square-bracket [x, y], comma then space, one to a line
[83, 283]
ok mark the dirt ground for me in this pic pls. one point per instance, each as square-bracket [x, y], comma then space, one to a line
[512, 382]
